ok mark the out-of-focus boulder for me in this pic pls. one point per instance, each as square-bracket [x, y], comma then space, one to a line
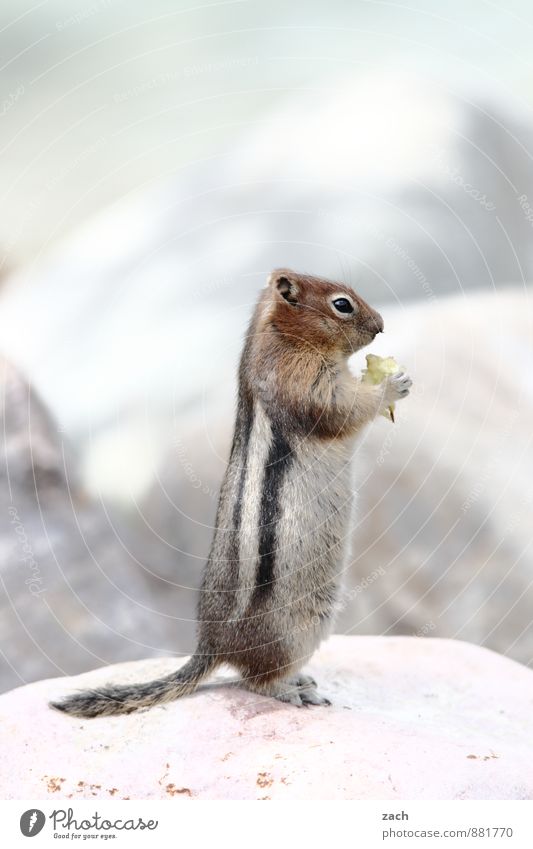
[71, 594]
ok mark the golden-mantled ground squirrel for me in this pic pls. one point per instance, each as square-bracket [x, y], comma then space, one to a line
[280, 546]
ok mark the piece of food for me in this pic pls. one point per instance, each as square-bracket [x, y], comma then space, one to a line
[377, 369]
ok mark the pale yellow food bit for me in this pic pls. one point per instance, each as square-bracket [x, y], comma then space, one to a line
[377, 369]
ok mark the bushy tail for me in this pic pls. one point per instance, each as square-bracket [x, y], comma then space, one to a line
[116, 699]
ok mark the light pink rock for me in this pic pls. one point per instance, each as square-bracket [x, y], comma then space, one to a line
[412, 718]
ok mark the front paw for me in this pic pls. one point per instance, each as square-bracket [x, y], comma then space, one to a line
[397, 386]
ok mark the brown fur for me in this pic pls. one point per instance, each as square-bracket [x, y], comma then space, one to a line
[303, 347]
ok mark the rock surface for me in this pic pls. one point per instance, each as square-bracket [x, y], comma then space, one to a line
[412, 718]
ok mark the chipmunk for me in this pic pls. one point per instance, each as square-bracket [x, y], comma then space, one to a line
[280, 546]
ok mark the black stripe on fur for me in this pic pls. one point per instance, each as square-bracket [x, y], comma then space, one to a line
[278, 463]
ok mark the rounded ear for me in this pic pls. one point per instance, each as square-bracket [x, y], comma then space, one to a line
[284, 286]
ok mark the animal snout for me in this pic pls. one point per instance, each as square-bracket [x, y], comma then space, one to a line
[374, 323]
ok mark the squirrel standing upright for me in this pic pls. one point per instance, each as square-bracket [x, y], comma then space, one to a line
[272, 580]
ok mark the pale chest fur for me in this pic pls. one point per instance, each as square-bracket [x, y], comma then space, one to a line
[318, 501]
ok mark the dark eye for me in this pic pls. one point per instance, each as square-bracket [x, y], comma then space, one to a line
[342, 305]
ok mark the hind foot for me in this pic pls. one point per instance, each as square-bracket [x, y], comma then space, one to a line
[306, 688]
[299, 690]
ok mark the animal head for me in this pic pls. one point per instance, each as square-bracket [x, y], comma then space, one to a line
[329, 316]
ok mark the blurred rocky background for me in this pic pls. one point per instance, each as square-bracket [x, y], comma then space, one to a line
[155, 166]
